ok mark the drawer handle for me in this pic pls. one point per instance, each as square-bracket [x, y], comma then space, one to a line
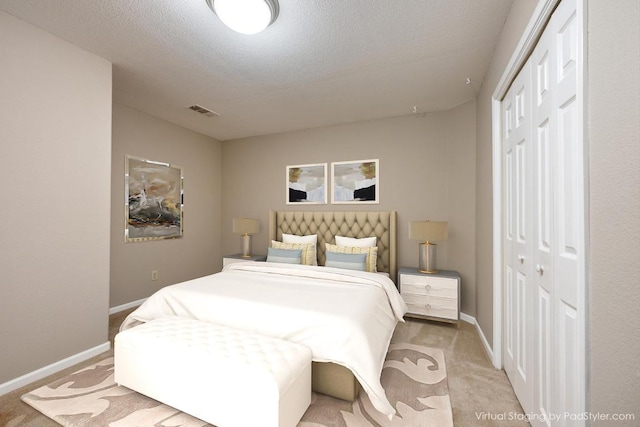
[427, 287]
[428, 306]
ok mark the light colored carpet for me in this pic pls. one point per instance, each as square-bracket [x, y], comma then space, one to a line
[414, 378]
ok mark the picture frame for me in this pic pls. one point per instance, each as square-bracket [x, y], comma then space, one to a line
[355, 182]
[154, 198]
[306, 184]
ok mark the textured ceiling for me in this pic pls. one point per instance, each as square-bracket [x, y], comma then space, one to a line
[323, 62]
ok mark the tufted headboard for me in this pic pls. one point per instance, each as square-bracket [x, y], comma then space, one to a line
[349, 224]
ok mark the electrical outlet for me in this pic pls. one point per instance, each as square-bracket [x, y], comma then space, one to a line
[154, 274]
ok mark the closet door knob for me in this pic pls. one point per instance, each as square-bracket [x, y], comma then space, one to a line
[521, 259]
[540, 269]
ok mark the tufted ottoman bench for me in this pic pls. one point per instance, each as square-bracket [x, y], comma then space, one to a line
[221, 375]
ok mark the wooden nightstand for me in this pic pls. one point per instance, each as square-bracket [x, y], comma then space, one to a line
[231, 259]
[431, 296]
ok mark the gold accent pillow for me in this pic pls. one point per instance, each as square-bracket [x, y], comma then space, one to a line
[308, 250]
[372, 254]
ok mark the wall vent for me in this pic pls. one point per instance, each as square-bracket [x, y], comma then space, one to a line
[205, 111]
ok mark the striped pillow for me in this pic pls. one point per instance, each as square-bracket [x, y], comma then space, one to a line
[308, 250]
[372, 254]
[287, 256]
[348, 261]
[310, 239]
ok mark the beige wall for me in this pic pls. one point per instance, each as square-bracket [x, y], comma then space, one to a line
[197, 253]
[519, 16]
[425, 172]
[461, 144]
[55, 134]
[614, 178]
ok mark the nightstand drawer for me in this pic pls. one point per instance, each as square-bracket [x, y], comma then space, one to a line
[427, 300]
[429, 286]
[444, 309]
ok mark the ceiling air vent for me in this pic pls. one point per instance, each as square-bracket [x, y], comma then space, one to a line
[205, 111]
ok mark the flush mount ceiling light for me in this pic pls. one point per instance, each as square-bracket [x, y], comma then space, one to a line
[245, 16]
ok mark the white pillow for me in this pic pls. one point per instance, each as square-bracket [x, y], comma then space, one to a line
[366, 242]
[303, 240]
[292, 238]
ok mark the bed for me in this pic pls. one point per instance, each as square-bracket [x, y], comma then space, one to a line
[331, 378]
[346, 317]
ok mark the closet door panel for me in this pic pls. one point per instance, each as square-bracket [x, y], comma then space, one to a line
[544, 190]
[522, 326]
[509, 233]
[566, 42]
[542, 116]
[509, 322]
[518, 202]
[567, 377]
[509, 181]
[543, 384]
[544, 164]
[568, 214]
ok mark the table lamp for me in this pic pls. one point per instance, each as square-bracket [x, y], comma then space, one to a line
[246, 227]
[427, 232]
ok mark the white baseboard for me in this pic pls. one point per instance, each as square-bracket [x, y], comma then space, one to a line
[127, 306]
[38, 374]
[467, 318]
[472, 320]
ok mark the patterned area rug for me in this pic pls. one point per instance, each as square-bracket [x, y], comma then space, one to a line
[414, 378]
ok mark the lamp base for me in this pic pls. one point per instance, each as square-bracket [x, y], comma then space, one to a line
[427, 259]
[246, 246]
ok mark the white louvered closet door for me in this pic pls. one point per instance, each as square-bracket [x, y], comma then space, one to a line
[551, 266]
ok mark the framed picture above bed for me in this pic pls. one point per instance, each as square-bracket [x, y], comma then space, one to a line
[355, 182]
[307, 184]
[153, 200]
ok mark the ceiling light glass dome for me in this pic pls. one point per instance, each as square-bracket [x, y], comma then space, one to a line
[245, 16]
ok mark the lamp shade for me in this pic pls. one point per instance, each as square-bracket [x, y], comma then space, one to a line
[245, 16]
[428, 231]
[245, 226]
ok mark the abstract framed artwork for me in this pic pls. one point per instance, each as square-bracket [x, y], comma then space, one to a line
[306, 184]
[153, 200]
[355, 182]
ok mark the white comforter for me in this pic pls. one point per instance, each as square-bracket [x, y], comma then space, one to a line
[346, 317]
